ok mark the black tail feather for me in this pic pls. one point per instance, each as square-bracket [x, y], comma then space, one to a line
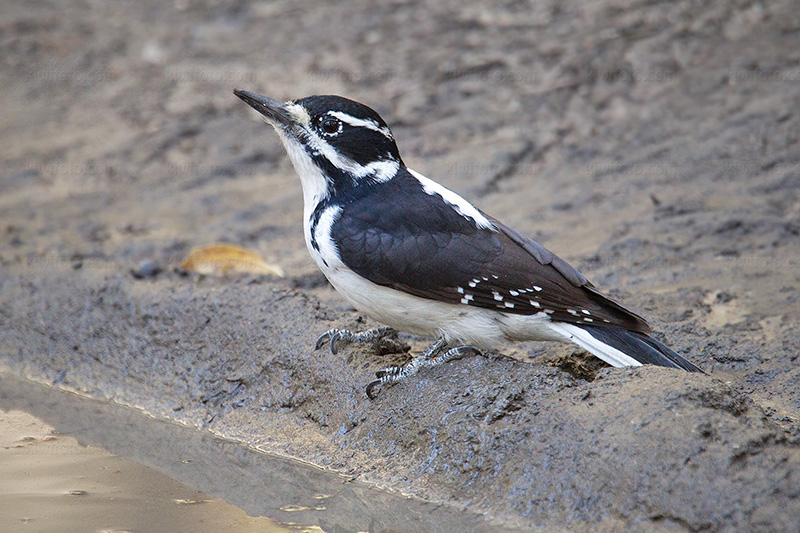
[644, 349]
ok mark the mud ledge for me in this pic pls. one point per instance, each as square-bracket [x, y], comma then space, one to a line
[523, 442]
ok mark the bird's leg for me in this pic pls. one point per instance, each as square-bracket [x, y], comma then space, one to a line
[433, 356]
[344, 336]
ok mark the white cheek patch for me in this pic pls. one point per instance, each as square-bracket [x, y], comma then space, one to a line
[463, 207]
[362, 123]
[379, 170]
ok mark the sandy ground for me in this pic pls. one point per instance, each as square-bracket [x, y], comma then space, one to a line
[655, 146]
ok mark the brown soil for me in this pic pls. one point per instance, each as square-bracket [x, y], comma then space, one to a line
[654, 145]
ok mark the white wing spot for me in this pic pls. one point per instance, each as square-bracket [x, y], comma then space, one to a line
[510, 305]
[464, 301]
[460, 290]
[549, 311]
[572, 311]
[513, 293]
[468, 297]
[497, 296]
[588, 320]
[494, 276]
[537, 289]
[473, 283]
[485, 279]
[535, 304]
[585, 312]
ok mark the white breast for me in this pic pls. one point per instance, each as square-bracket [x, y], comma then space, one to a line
[327, 255]
[458, 323]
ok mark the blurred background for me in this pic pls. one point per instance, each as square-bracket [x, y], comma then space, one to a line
[653, 145]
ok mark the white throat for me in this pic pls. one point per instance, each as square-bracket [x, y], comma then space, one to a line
[314, 183]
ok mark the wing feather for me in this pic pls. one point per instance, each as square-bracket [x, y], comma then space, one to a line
[407, 239]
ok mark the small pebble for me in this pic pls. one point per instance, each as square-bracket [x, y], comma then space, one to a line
[147, 269]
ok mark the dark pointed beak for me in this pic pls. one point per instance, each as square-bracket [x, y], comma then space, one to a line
[270, 108]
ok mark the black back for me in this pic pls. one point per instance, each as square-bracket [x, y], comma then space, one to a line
[397, 235]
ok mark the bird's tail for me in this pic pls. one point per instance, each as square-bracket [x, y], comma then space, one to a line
[620, 347]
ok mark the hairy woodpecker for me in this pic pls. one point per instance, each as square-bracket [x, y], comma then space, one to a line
[420, 258]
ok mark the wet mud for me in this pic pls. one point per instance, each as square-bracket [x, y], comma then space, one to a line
[655, 146]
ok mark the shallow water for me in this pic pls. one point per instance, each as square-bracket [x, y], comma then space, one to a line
[50, 482]
[56, 474]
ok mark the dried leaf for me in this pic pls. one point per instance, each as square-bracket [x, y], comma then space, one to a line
[222, 259]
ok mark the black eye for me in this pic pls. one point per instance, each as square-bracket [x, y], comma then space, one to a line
[330, 125]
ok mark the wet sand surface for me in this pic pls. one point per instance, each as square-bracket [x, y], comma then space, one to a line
[653, 145]
[59, 474]
[52, 483]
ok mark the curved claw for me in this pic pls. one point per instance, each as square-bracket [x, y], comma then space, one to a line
[329, 337]
[371, 393]
[322, 339]
[335, 337]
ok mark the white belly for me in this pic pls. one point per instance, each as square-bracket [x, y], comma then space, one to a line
[458, 323]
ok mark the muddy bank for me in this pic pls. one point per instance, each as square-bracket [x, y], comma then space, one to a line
[653, 146]
[294, 496]
[522, 441]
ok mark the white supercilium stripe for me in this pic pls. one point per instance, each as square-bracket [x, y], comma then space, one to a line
[362, 123]
[465, 208]
[378, 170]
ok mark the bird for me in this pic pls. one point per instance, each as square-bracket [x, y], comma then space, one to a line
[419, 258]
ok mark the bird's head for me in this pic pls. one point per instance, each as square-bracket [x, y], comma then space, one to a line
[331, 139]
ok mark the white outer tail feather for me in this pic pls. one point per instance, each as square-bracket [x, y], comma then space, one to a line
[582, 338]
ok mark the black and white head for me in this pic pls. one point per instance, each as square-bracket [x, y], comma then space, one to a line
[334, 143]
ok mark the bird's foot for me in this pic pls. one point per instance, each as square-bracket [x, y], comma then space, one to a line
[335, 337]
[435, 355]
